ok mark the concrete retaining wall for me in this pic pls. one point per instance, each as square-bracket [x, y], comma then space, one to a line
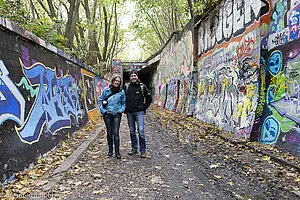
[45, 95]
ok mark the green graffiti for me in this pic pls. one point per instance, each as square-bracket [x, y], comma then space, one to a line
[24, 82]
[1, 83]
[280, 85]
[285, 123]
[262, 93]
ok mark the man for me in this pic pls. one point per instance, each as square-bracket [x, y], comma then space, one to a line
[138, 99]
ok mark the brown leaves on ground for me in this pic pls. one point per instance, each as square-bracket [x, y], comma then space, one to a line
[236, 153]
[32, 180]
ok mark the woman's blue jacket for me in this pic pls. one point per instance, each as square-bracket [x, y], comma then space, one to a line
[115, 103]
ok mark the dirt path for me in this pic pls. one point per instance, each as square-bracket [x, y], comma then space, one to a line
[170, 171]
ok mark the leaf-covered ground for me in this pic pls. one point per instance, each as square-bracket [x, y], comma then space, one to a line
[186, 159]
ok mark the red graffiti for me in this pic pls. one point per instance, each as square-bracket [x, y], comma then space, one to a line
[246, 49]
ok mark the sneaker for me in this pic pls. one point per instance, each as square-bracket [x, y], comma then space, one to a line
[132, 152]
[143, 155]
[118, 156]
[109, 154]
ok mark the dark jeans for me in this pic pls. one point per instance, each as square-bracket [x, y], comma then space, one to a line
[132, 118]
[112, 123]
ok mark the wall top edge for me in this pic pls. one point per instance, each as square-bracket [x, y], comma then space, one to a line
[16, 28]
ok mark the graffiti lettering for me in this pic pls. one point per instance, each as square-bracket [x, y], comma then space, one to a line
[294, 23]
[277, 39]
[55, 102]
[12, 103]
[233, 19]
[246, 49]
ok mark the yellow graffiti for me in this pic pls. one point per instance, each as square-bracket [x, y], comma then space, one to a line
[211, 89]
[225, 83]
[280, 84]
[201, 88]
[251, 91]
[242, 111]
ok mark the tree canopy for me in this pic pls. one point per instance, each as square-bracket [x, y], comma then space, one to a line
[91, 29]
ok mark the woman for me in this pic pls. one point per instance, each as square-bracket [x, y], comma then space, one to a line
[112, 104]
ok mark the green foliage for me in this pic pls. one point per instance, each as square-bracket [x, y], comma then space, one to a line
[156, 20]
[45, 29]
[200, 7]
[13, 10]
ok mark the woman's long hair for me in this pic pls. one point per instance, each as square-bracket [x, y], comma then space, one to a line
[115, 89]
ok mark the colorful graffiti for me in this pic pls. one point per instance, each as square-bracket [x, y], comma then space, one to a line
[283, 95]
[172, 95]
[228, 85]
[117, 67]
[12, 103]
[294, 23]
[173, 73]
[247, 71]
[89, 94]
[280, 117]
[100, 84]
[54, 105]
[233, 19]
[192, 97]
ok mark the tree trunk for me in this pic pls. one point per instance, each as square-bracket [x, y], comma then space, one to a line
[51, 8]
[190, 4]
[72, 21]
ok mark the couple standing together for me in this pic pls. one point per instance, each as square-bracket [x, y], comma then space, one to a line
[133, 100]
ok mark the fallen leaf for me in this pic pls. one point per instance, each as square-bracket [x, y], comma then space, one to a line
[98, 192]
[78, 183]
[230, 183]
[205, 152]
[214, 166]
[218, 177]
[291, 174]
[41, 183]
[25, 182]
[96, 176]
[245, 167]
[261, 179]
[185, 182]
[266, 158]
[86, 183]
[157, 167]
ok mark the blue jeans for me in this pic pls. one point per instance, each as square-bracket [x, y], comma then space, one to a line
[112, 123]
[132, 118]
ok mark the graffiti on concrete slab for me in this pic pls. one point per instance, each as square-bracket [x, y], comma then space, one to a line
[54, 106]
[231, 20]
[270, 130]
[172, 95]
[12, 103]
[228, 85]
[100, 84]
[294, 23]
[89, 87]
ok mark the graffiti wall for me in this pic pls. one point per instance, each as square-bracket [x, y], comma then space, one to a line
[44, 98]
[173, 76]
[228, 64]
[278, 116]
[246, 76]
